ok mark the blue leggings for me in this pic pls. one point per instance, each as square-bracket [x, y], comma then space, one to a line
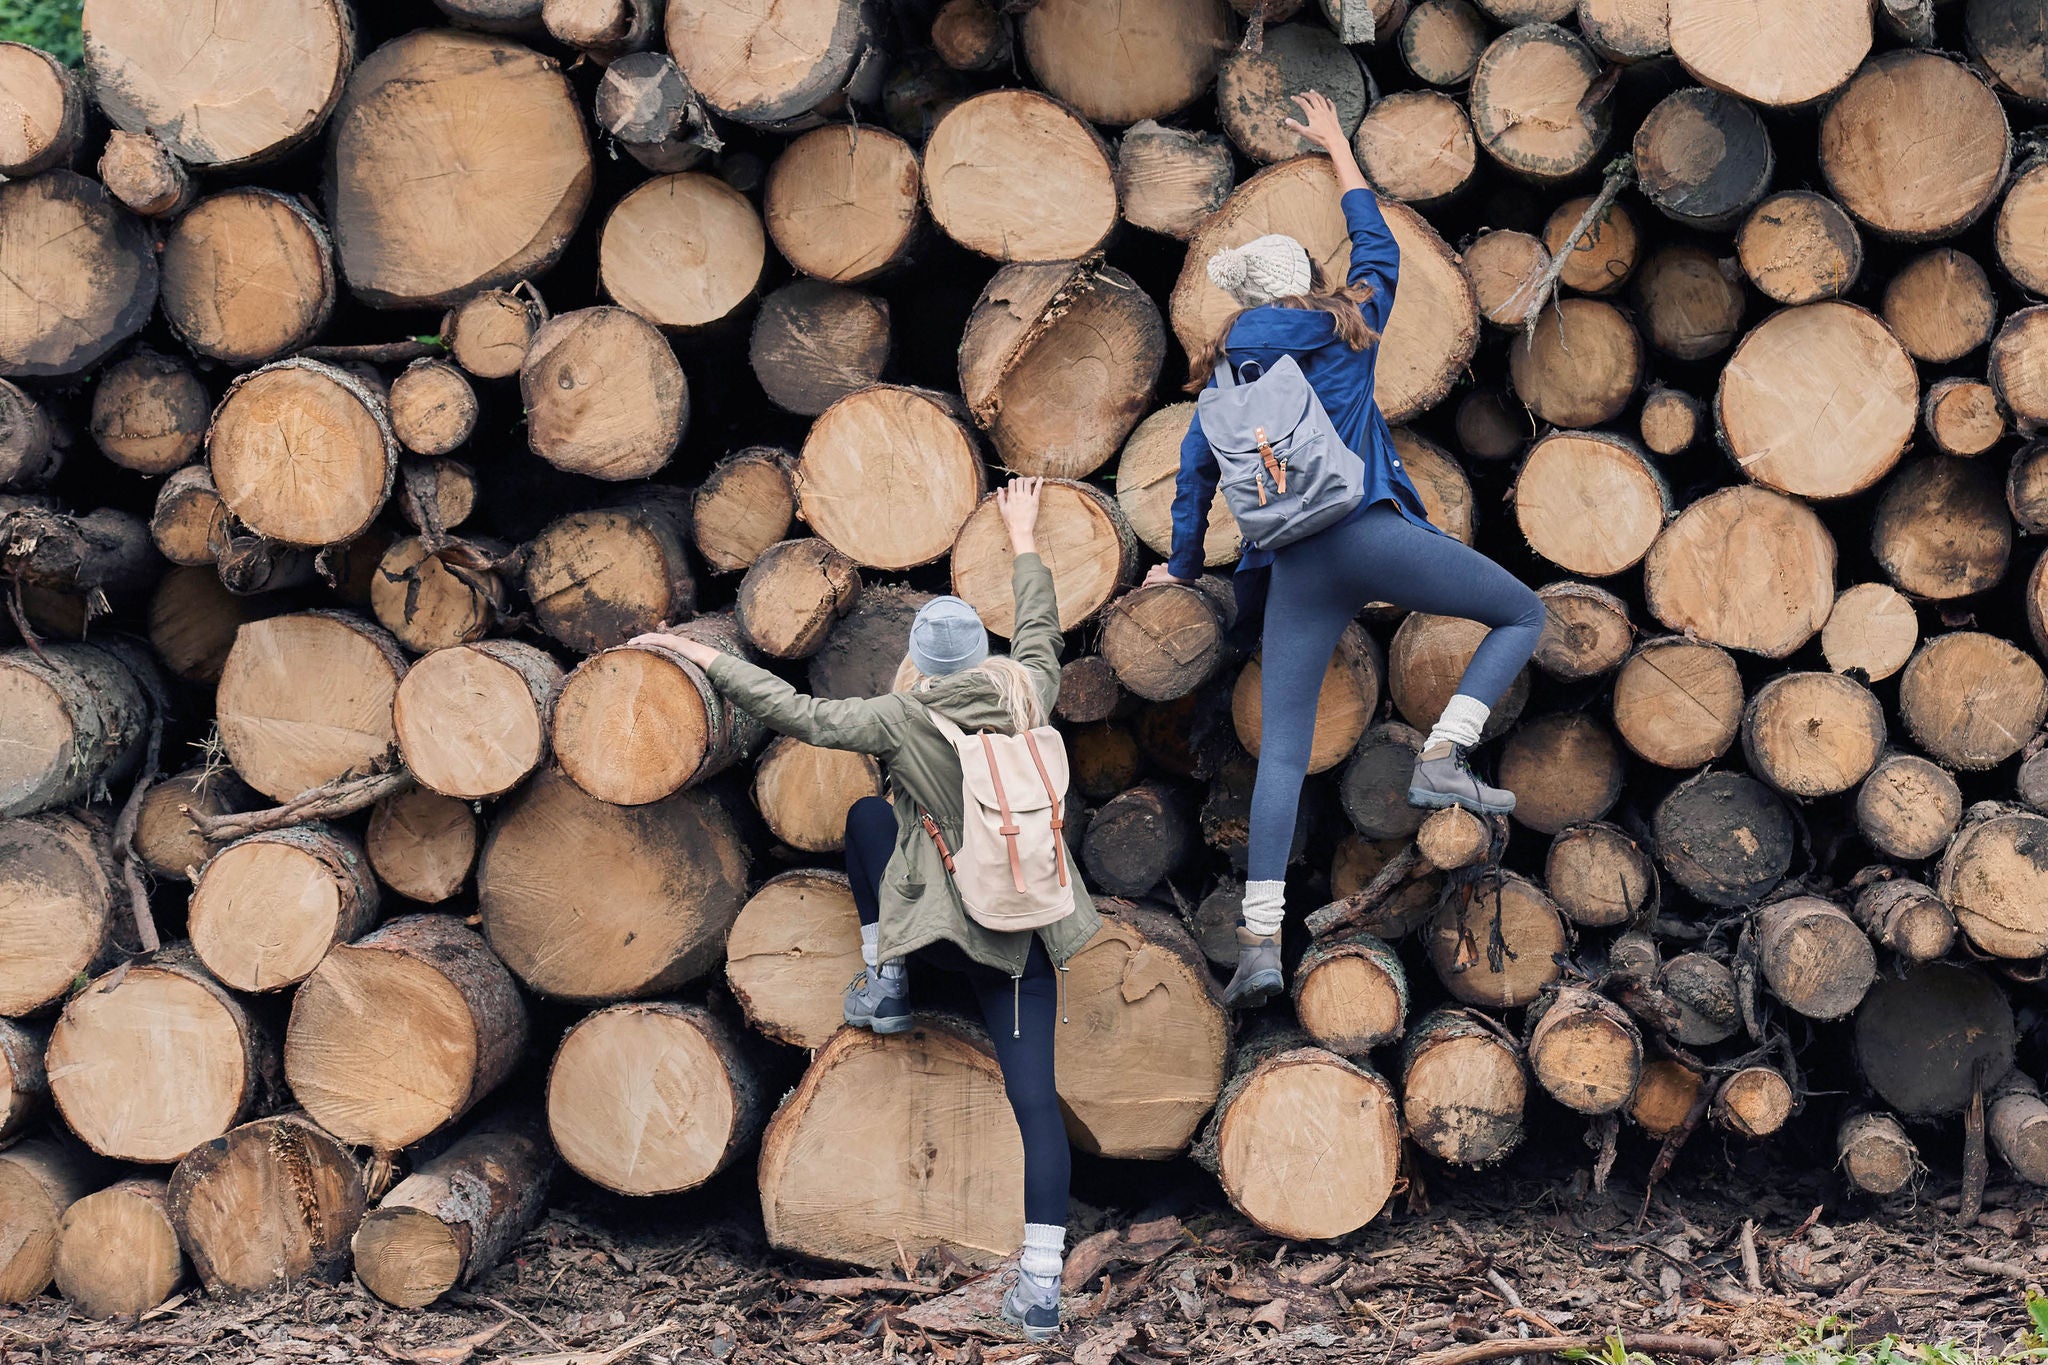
[1020, 1016]
[1319, 585]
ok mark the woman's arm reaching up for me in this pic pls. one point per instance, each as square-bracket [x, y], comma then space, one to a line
[1375, 258]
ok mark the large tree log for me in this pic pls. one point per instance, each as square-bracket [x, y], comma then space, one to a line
[82, 274]
[1564, 769]
[1017, 176]
[1462, 1088]
[1940, 305]
[1145, 1052]
[1990, 878]
[1778, 58]
[1678, 702]
[39, 1180]
[57, 880]
[1800, 247]
[472, 720]
[1816, 959]
[804, 792]
[76, 718]
[248, 274]
[1579, 365]
[683, 251]
[1146, 475]
[1704, 158]
[1941, 530]
[149, 413]
[1584, 1051]
[1927, 1039]
[2010, 39]
[273, 1202]
[1586, 631]
[1351, 994]
[643, 908]
[422, 844]
[302, 452]
[639, 723]
[1495, 944]
[813, 343]
[761, 62]
[1907, 808]
[1128, 62]
[791, 952]
[842, 204]
[1723, 837]
[1587, 501]
[1433, 331]
[1417, 146]
[437, 599]
[1702, 575]
[266, 908]
[1345, 702]
[306, 698]
[598, 578]
[2019, 368]
[154, 1059]
[1971, 700]
[889, 475]
[1082, 538]
[1058, 362]
[893, 1145]
[1167, 640]
[1599, 876]
[1872, 630]
[863, 653]
[744, 505]
[1916, 146]
[1169, 179]
[792, 596]
[42, 106]
[1255, 85]
[1540, 67]
[419, 145]
[604, 395]
[1813, 734]
[1443, 40]
[400, 1033]
[117, 1252]
[455, 1216]
[1138, 839]
[1304, 1143]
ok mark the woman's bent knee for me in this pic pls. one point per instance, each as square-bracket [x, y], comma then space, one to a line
[869, 818]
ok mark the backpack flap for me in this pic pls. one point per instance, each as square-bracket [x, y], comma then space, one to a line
[1025, 789]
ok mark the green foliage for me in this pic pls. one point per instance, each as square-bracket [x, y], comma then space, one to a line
[48, 24]
[1832, 1341]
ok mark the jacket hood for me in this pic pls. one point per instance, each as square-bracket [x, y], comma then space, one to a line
[1287, 329]
[970, 701]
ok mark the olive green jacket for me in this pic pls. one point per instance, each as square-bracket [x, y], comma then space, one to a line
[920, 904]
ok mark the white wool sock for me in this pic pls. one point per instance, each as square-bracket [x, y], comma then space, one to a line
[1044, 1251]
[870, 935]
[894, 970]
[1461, 723]
[1265, 907]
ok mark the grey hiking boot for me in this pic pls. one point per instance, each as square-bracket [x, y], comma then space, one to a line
[1442, 778]
[1258, 977]
[1033, 1305]
[878, 1001]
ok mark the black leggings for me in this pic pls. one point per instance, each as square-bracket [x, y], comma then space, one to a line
[1020, 1016]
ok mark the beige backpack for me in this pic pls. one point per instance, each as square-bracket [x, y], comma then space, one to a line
[1011, 866]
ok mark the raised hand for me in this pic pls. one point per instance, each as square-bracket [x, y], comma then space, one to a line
[1018, 502]
[1321, 126]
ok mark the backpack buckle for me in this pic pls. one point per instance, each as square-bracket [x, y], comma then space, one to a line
[1276, 468]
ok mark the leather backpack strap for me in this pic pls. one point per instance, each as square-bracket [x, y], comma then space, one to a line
[1009, 829]
[1058, 822]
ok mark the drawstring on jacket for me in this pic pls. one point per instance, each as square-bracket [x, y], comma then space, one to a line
[1017, 999]
[1063, 992]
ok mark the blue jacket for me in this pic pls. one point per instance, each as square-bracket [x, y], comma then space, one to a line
[1341, 377]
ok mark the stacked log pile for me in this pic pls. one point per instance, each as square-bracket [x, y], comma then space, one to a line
[359, 401]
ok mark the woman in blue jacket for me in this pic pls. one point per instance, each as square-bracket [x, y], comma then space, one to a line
[1384, 551]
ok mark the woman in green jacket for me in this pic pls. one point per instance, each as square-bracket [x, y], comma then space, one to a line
[908, 902]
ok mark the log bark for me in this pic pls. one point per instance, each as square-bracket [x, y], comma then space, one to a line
[145, 175]
[647, 106]
[403, 161]
[1017, 176]
[1906, 115]
[1349, 694]
[1428, 656]
[1704, 158]
[1875, 1153]
[1351, 994]
[683, 251]
[397, 1035]
[791, 952]
[1589, 502]
[1255, 85]
[1923, 1038]
[248, 275]
[1813, 734]
[1971, 700]
[155, 1059]
[1089, 693]
[643, 910]
[1907, 808]
[1816, 959]
[2009, 38]
[1417, 146]
[1057, 364]
[1505, 267]
[1941, 530]
[1580, 365]
[87, 278]
[472, 720]
[889, 475]
[804, 792]
[1463, 1088]
[757, 63]
[1689, 302]
[438, 599]
[1697, 577]
[1599, 876]
[1703, 993]
[1777, 58]
[843, 204]
[57, 912]
[1584, 1051]
[814, 343]
[2019, 368]
[744, 505]
[792, 596]
[1723, 837]
[456, 1216]
[604, 394]
[1146, 484]
[1304, 1143]
[1940, 306]
[266, 908]
[149, 413]
[1146, 1050]
[1540, 66]
[1137, 61]
[933, 1092]
[189, 520]
[117, 1252]
[1169, 179]
[602, 713]
[433, 407]
[1754, 1102]
[422, 844]
[39, 1179]
[489, 332]
[306, 698]
[603, 30]
[1137, 839]
[273, 1202]
[76, 720]
[1443, 40]
[1564, 769]
[1495, 946]
[1906, 917]
[1989, 878]
[598, 578]
[24, 1085]
[1586, 631]
[302, 452]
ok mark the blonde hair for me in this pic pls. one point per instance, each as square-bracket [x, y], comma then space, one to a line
[1014, 685]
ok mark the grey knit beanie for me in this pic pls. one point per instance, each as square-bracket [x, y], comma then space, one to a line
[947, 637]
[1264, 269]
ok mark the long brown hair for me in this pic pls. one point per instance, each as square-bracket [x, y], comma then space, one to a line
[1341, 303]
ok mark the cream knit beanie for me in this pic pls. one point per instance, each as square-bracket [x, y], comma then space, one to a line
[1262, 270]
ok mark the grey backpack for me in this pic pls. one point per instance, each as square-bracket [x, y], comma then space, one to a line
[1283, 468]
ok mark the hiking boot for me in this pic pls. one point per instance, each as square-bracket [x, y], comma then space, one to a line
[1034, 1306]
[1258, 977]
[1443, 778]
[878, 1001]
